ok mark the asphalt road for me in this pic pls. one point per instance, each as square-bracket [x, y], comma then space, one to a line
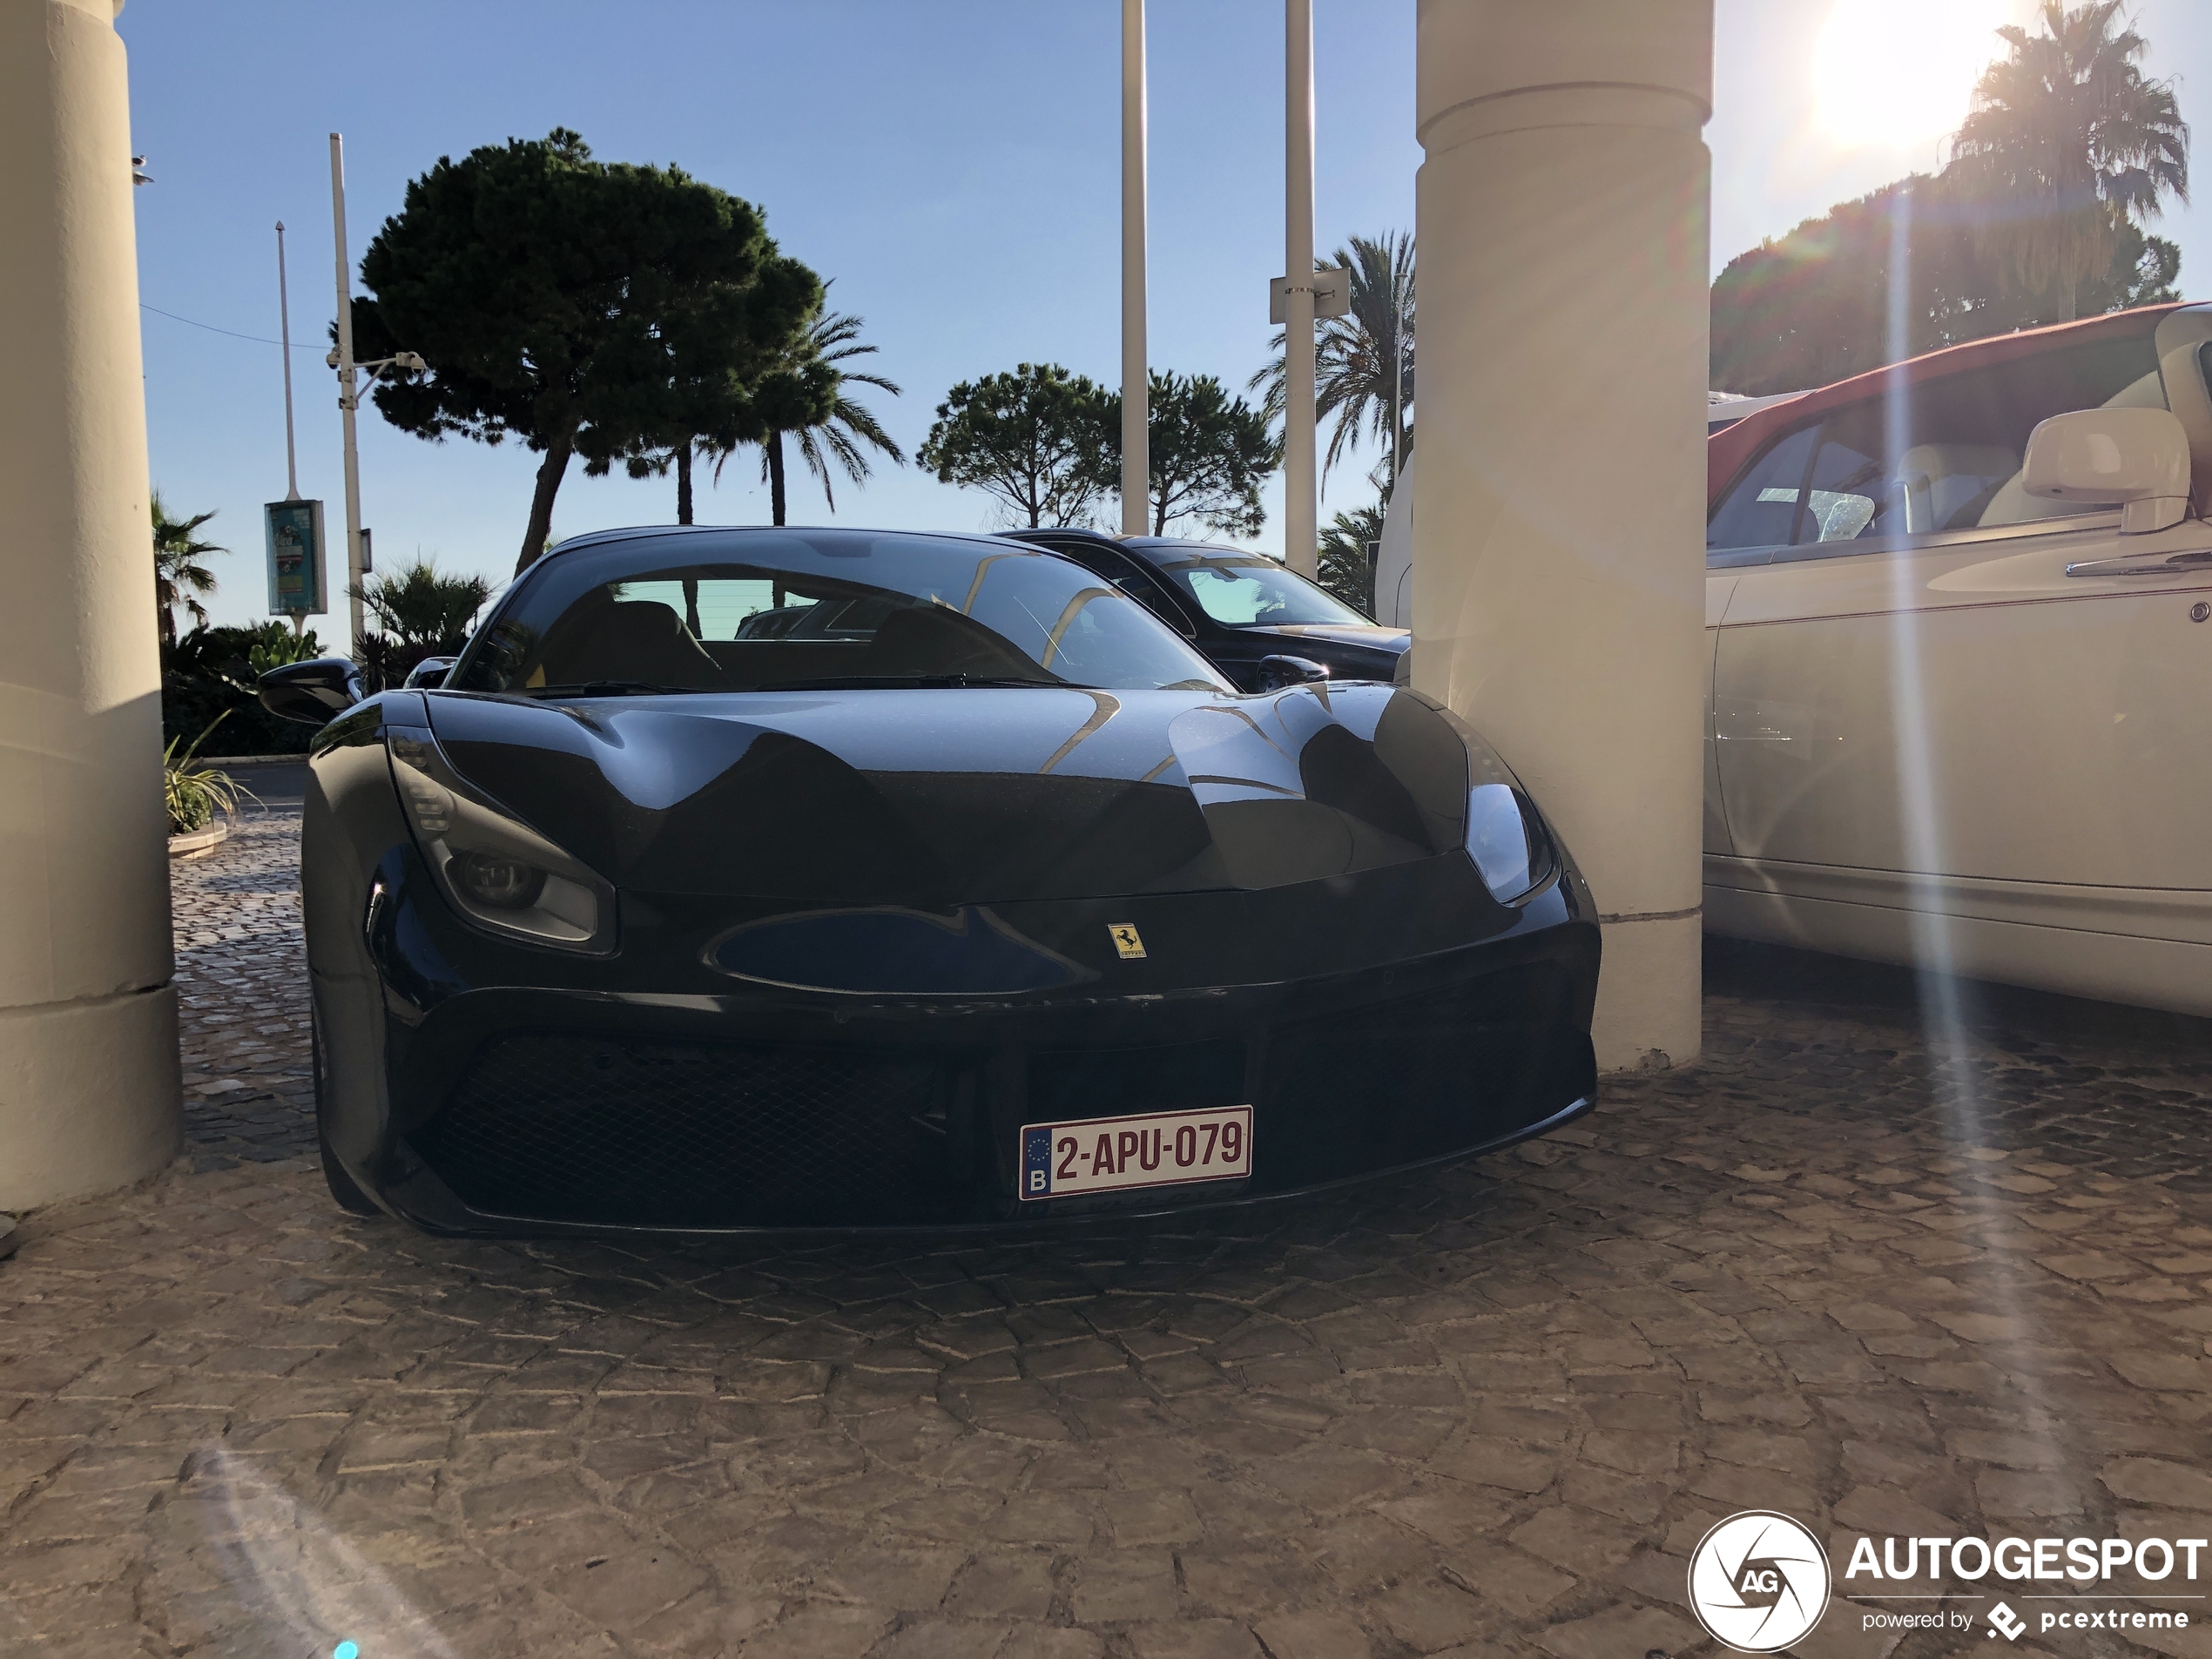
[279, 783]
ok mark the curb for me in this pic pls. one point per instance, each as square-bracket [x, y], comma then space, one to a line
[200, 840]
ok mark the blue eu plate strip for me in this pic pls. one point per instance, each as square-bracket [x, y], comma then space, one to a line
[1036, 1162]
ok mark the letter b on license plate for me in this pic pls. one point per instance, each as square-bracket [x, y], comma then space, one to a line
[1154, 1149]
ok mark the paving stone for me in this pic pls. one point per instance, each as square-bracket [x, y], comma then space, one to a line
[1519, 1584]
[1428, 1617]
[1884, 1279]
[1194, 1639]
[2153, 1480]
[1576, 1539]
[1625, 1629]
[1052, 1641]
[942, 1639]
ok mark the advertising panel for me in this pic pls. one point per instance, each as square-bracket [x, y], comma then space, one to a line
[294, 539]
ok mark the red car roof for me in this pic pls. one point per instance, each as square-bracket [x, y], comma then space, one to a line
[1727, 451]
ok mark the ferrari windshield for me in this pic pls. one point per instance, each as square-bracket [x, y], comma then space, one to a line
[753, 611]
[1250, 589]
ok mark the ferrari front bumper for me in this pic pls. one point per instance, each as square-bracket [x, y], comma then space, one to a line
[570, 1110]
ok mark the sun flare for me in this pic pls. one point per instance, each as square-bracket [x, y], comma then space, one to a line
[1899, 72]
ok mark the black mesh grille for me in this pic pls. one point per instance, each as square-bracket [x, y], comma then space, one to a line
[1395, 1082]
[625, 1131]
[1115, 1082]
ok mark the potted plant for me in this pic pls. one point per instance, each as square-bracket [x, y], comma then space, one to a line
[195, 794]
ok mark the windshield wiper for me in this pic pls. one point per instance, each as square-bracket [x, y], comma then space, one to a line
[920, 682]
[611, 688]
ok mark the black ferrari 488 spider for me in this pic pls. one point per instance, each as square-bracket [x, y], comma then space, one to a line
[828, 878]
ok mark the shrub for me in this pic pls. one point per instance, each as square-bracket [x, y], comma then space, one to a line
[209, 675]
[423, 612]
[194, 794]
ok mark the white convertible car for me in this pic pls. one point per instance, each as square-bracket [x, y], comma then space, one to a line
[1960, 614]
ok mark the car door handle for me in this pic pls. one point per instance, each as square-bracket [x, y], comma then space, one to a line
[2172, 564]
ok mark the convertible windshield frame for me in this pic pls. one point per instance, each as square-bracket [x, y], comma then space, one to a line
[744, 611]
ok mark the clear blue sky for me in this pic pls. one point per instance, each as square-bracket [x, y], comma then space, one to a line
[953, 167]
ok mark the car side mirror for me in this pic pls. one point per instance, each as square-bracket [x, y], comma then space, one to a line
[1276, 672]
[428, 674]
[2137, 459]
[312, 692]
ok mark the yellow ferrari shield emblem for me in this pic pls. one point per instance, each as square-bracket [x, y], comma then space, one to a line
[1127, 942]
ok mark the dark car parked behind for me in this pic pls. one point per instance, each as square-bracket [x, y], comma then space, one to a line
[1239, 609]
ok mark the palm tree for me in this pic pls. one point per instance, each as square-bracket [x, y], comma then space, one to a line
[2068, 141]
[1364, 360]
[835, 437]
[179, 577]
[422, 605]
[420, 611]
[1345, 570]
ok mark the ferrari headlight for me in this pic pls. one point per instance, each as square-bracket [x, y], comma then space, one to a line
[1507, 843]
[1506, 837]
[494, 870]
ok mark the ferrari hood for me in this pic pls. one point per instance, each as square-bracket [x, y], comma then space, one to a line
[938, 797]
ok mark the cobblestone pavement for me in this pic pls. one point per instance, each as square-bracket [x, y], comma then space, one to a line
[1885, 1286]
[242, 996]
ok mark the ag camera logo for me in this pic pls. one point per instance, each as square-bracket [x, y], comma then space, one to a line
[1758, 1582]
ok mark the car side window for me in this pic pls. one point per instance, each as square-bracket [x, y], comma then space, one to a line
[1944, 456]
[1849, 494]
[1762, 509]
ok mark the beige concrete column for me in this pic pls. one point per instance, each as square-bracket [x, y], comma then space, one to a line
[88, 1022]
[1558, 507]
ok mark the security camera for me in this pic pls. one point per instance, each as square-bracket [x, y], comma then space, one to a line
[411, 362]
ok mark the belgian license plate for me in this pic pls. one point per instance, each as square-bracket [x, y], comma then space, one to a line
[1155, 1149]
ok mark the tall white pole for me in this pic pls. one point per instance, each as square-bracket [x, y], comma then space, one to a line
[1136, 448]
[347, 399]
[1301, 508]
[284, 333]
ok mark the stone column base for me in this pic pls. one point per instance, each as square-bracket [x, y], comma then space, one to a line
[88, 1095]
[1649, 1014]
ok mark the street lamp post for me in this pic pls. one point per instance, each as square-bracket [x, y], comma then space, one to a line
[1301, 508]
[341, 359]
[348, 400]
[284, 333]
[1136, 453]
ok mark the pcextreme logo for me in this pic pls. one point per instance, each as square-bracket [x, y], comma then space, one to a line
[1758, 1582]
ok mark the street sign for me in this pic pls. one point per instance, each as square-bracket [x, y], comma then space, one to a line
[295, 556]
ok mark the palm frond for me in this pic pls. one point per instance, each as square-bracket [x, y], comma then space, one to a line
[836, 442]
[1364, 360]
